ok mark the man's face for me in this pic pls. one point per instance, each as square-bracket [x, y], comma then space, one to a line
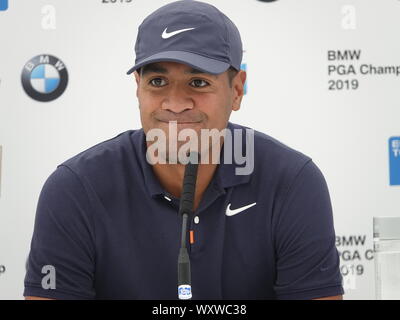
[170, 91]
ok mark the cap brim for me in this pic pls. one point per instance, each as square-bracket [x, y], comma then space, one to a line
[196, 61]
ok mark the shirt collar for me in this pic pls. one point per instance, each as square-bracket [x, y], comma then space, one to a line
[226, 172]
[151, 182]
[224, 177]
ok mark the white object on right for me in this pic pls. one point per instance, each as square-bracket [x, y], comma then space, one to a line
[387, 257]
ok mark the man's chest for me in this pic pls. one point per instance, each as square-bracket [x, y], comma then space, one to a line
[230, 249]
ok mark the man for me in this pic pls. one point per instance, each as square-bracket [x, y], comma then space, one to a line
[107, 221]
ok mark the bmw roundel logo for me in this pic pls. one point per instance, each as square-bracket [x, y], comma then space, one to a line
[44, 78]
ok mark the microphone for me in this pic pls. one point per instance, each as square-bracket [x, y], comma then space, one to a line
[185, 209]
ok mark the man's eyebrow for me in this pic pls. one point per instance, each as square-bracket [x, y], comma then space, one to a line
[196, 71]
[156, 68]
[153, 68]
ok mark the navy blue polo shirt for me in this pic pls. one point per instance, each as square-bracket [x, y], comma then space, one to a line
[111, 231]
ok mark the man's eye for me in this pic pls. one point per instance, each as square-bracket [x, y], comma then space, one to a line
[158, 82]
[198, 83]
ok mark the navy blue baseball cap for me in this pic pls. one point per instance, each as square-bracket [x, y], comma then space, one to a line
[190, 32]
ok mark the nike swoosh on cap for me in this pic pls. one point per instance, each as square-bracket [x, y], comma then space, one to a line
[233, 212]
[167, 35]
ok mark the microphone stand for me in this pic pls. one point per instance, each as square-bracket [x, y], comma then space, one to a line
[185, 209]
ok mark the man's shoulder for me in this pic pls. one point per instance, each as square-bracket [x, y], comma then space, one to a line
[274, 156]
[107, 154]
[275, 151]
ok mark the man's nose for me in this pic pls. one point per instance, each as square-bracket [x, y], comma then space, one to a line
[177, 101]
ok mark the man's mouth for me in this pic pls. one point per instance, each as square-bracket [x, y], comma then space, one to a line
[184, 118]
[179, 122]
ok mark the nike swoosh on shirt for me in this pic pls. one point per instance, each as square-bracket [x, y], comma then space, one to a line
[167, 35]
[233, 212]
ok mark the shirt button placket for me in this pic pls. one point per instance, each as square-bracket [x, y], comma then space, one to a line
[194, 233]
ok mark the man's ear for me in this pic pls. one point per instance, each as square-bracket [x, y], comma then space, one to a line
[238, 86]
[137, 78]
